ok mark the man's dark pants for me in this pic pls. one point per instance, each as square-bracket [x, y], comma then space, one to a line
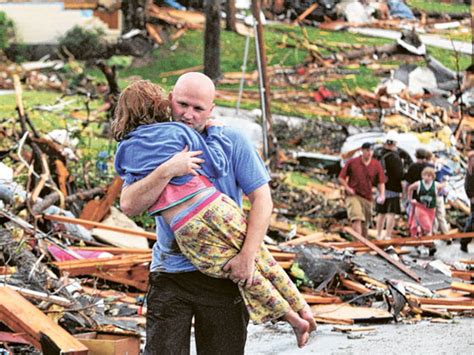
[220, 316]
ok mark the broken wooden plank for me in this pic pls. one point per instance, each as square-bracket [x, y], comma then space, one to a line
[90, 266]
[461, 286]
[447, 307]
[312, 238]
[23, 317]
[354, 285]
[40, 296]
[285, 264]
[404, 241]
[97, 210]
[315, 299]
[8, 337]
[282, 256]
[345, 311]
[452, 301]
[113, 250]
[98, 225]
[465, 275]
[352, 329]
[306, 12]
[382, 253]
[153, 32]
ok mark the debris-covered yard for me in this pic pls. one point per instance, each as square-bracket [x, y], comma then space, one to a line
[74, 268]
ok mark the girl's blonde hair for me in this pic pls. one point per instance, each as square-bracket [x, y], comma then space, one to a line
[140, 103]
[429, 171]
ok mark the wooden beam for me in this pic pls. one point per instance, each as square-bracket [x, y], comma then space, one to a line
[285, 264]
[8, 337]
[461, 286]
[91, 266]
[282, 256]
[404, 241]
[41, 296]
[113, 250]
[23, 317]
[312, 238]
[315, 299]
[91, 224]
[383, 254]
[354, 285]
[306, 12]
[96, 210]
[451, 301]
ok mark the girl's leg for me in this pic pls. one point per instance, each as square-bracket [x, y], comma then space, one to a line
[300, 327]
[272, 271]
[213, 237]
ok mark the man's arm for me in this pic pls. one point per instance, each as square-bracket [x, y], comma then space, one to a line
[242, 266]
[137, 197]
[343, 181]
[381, 198]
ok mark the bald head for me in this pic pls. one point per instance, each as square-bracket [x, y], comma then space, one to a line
[192, 100]
[195, 81]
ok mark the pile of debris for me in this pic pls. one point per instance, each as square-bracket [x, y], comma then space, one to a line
[74, 269]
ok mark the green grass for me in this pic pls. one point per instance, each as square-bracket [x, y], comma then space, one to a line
[437, 6]
[188, 52]
[298, 179]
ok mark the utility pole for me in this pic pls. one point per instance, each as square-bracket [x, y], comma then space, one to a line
[268, 139]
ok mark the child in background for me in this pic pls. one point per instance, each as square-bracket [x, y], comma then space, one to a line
[209, 227]
[423, 209]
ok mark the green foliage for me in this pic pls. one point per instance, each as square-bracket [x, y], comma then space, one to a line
[6, 30]
[300, 277]
[120, 61]
[437, 6]
[84, 43]
[298, 179]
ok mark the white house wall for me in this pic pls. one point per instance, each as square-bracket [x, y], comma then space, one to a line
[44, 23]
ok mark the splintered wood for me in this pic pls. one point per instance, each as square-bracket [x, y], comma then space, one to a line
[23, 317]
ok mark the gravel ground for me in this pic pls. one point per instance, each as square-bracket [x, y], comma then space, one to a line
[420, 338]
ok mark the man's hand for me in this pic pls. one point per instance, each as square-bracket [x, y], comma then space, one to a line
[350, 191]
[184, 162]
[240, 269]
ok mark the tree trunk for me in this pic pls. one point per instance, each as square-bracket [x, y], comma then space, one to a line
[230, 24]
[212, 40]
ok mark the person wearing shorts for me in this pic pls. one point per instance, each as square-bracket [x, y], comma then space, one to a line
[358, 176]
[393, 167]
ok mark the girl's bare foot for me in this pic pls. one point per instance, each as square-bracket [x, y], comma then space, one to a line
[307, 315]
[300, 327]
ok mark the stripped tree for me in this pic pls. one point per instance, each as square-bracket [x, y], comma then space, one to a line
[212, 36]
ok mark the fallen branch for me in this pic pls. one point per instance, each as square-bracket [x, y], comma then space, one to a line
[52, 198]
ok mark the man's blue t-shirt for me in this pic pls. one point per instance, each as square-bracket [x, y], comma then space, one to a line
[247, 173]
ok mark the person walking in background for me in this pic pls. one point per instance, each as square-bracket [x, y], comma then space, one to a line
[440, 225]
[393, 168]
[423, 203]
[469, 187]
[358, 176]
